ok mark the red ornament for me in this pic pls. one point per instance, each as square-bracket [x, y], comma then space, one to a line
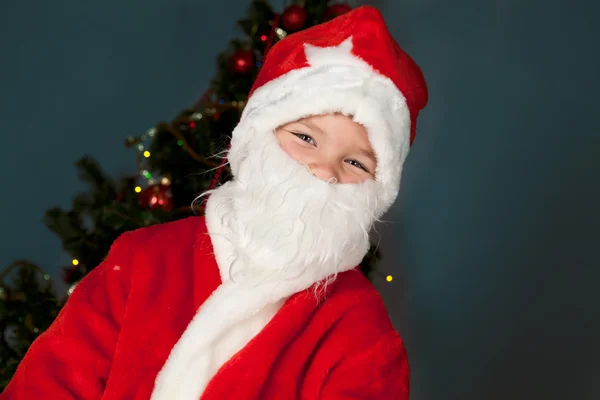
[293, 18]
[156, 197]
[335, 10]
[242, 61]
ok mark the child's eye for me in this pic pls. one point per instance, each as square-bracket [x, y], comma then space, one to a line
[357, 164]
[304, 137]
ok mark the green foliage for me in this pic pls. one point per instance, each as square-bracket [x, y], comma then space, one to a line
[97, 217]
[28, 306]
[367, 265]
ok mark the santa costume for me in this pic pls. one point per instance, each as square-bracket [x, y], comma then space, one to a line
[261, 297]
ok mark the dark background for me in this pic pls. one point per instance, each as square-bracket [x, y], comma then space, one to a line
[493, 243]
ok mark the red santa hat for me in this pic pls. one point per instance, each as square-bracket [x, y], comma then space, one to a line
[351, 65]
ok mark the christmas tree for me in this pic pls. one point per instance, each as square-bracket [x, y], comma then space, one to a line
[177, 161]
[28, 305]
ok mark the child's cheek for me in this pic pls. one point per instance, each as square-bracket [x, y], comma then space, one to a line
[300, 153]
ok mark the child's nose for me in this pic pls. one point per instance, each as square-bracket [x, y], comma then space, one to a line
[325, 172]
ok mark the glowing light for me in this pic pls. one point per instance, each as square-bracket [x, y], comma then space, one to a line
[146, 154]
[70, 291]
[180, 142]
[75, 261]
[138, 189]
[263, 37]
[280, 33]
[389, 278]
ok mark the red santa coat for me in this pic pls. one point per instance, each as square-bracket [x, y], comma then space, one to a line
[117, 330]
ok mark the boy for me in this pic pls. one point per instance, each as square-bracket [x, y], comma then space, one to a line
[259, 299]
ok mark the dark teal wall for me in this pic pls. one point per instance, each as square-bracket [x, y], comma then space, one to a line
[498, 226]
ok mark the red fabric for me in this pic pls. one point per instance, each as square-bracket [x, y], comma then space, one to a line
[372, 42]
[118, 327]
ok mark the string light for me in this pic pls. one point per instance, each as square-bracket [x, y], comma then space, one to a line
[71, 289]
[389, 278]
[75, 261]
[263, 38]
[280, 33]
[213, 108]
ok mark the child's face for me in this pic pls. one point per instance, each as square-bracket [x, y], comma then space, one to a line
[332, 146]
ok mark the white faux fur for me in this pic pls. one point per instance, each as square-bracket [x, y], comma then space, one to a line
[221, 327]
[335, 81]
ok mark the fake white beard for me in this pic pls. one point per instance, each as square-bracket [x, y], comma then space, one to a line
[278, 221]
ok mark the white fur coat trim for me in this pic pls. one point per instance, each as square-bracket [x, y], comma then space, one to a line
[223, 325]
